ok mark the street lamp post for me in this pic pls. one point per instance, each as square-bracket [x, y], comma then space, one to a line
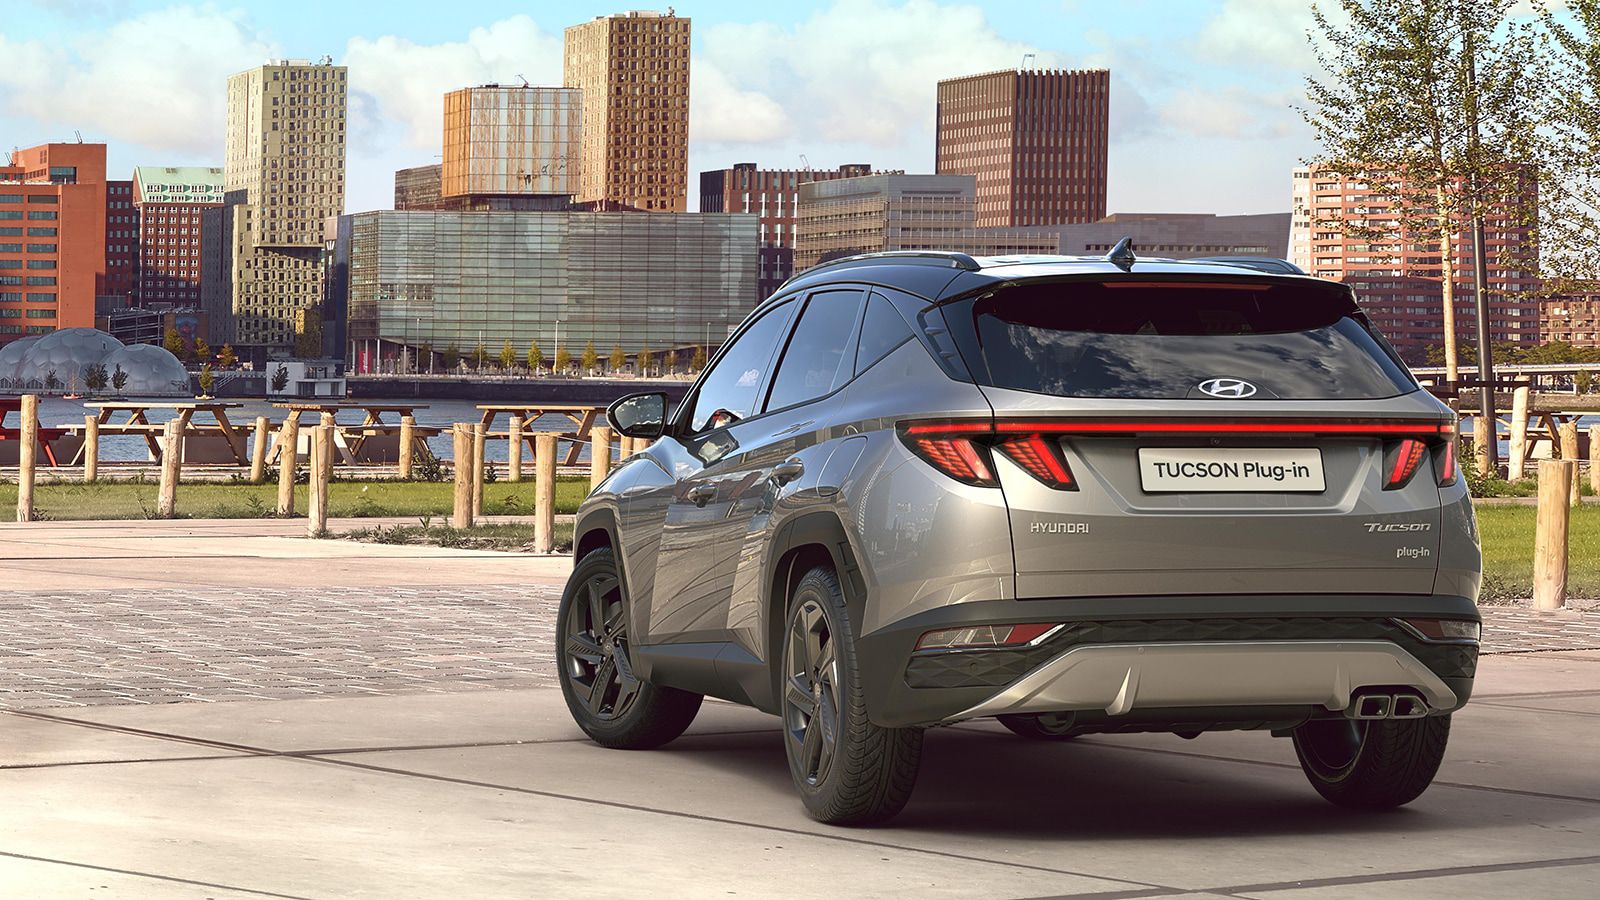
[1480, 266]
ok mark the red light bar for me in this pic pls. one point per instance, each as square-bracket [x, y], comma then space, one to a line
[1260, 426]
[1189, 285]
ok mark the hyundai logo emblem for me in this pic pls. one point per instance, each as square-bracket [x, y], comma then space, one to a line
[1231, 388]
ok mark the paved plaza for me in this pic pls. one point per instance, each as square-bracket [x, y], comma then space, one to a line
[396, 734]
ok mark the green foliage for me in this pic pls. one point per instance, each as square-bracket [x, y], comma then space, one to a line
[645, 359]
[480, 355]
[618, 358]
[202, 350]
[535, 356]
[452, 358]
[119, 378]
[176, 345]
[208, 381]
[590, 358]
[280, 378]
[51, 382]
[563, 360]
[1583, 382]
[1557, 352]
[698, 363]
[508, 356]
[94, 377]
[227, 358]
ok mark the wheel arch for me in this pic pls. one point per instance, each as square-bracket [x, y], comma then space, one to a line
[800, 543]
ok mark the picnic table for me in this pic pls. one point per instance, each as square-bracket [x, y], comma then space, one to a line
[218, 431]
[374, 440]
[12, 434]
[582, 417]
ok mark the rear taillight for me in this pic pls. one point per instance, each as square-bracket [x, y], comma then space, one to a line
[1401, 460]
[963, 449]
[1038, 457]
[974, 637]
[1444, 463]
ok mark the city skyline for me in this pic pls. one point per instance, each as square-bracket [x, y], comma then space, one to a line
[801, 85]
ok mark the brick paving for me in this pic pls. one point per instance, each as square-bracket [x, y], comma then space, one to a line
[89, 647]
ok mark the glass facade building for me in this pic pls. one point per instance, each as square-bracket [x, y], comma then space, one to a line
[511, 140]
[432, 280]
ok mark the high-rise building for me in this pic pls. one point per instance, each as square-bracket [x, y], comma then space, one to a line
[1399, 280]
[633, 69]
[1571, 320]
[873, 213]
[52, 238]
[1035, 139]
[417, 187]
[501, 140]
[774, 195]
[122, 250]
[284, 175]
[171, 204]
[1180, 235]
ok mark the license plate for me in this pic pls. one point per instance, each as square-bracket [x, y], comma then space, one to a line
[1231, 469]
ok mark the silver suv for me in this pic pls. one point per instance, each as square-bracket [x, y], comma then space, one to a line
[1079, 495]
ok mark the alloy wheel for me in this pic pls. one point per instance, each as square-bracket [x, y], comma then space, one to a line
[811, 692]
[597, 648]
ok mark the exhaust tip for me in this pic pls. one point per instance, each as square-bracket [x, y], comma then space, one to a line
[1372, 706]
[1408, 706]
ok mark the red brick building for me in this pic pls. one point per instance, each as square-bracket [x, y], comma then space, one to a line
[1036, 140]
[773, 194]
[1572, 320]
[170, 202]
[52, 238]
[122, 246]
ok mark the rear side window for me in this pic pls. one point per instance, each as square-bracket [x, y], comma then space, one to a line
[882, 330]
[1160, 340]
[811, 364]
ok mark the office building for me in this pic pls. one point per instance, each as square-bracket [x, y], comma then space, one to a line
[633, 70]
[501, 140]
[284, 174]
[428, 281]
[874, 213]
[171, 204]
[1179, 235]
[1036, 140]
[1571, 320]
[1399, 282]
[418, 187]
[52, 238]
[774, 196]
[122, 249]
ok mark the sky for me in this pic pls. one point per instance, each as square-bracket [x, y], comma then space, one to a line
[1203, 92]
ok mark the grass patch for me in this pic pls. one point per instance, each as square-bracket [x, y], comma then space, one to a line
[1507, 536]
[515, 538]
[362, 499]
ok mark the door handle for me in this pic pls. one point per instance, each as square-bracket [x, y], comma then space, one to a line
[701, 494]
[787, 471]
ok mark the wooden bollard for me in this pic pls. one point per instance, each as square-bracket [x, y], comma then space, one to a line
[1594, 460]
[1569, 451]
[461, 515]
[599, 454]
[1517, 450]
[288, 458]
[91, 449]
[258, 450]
[1483, 431]
[321, 468]
[408, 445]
[480, 444]
[1550, 533]
[171, 470]
[544, 493]
[27, 456]
[514, 450]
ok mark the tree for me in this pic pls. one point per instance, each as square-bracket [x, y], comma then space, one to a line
[176, 345]
[480, 355]
[207, 380]
[227, 358]
[1569, 186]
[280, 378]
[590, 359]
[644, 360]
[535, 357]
[563, 360]
[51, 382]
[452, 358]
[425, 354]
[1583, 383]
[508, 356]
[698, 362]
[94, 377]
[202, 350]
[119, 379]
[618, 358]
[1401, 81]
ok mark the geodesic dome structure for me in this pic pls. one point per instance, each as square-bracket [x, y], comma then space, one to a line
[66, 353]
[152, 371]
[27, 364]
[11, 356]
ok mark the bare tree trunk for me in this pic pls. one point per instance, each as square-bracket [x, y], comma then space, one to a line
[1447, 271]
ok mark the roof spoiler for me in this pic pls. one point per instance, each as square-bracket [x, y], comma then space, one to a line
[1269, 264]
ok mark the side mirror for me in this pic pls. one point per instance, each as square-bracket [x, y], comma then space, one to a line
[639, 415]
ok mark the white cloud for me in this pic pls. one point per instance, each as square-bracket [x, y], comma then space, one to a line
[720, 112]
[156, 79]
[1268, 33]
[1232, 112]
[397, 83]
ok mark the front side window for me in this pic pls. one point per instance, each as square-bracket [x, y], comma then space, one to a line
[811, 364]
[728, 392]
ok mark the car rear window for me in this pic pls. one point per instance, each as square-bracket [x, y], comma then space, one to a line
[1161, 340]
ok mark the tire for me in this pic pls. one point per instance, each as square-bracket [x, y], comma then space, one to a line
[848, 771]
[1371, 764]
[612, 706]
[1041, 727]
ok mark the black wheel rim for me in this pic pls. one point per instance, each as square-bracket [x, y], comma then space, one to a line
[1055, 724]
[811, 692]
[597, 664]
[1331, 747]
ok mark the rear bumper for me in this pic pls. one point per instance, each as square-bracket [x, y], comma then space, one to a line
[1266, 659]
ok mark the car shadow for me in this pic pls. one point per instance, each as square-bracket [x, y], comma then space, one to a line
[987, 783]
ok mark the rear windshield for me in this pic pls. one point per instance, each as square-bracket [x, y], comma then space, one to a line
[1158, 340]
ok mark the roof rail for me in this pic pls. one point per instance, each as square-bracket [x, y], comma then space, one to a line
[1269, 264]
[948, 258]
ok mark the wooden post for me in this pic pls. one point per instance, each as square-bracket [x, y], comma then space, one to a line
[288, 457]
[258, 450]
[599, 454]
[1483, 431]
[1594, 460]
[171, 470]
[321, 468]
[1569, 451]
[479, 445]
[27, 456]
[408, 441]
[461, 517]
[514, 450]
[1517, 452]
[625, 448]
[544, 493]
[91, 449]
[1550, 533]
